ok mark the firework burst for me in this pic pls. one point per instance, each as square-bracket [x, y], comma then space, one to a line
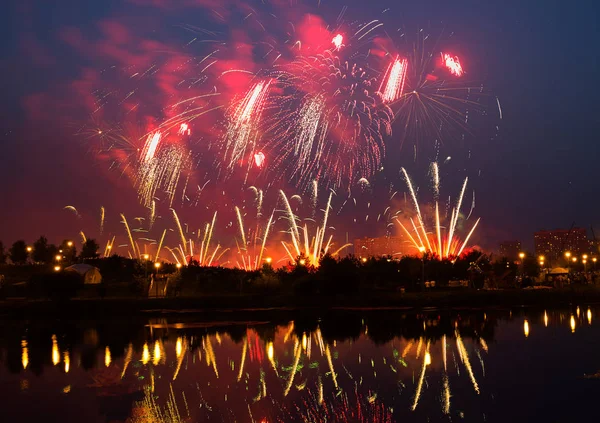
[442, 240]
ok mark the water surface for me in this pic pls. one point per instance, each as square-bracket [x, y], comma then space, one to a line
[376, 366]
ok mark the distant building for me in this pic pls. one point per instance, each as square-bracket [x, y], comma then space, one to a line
[510, 249]
[553, 244]
[382, 246]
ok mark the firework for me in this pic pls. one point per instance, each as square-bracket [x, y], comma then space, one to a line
[259, 159]
[162, 170]
[242, 131]
[150, 147]
[392, 85]
[101, 219]
[434, 106]
[132, 244]
[337, 41]
[313, 248]
[184, 129]
[453, 65]
[330, 122]
[252, 251]
[444, 247]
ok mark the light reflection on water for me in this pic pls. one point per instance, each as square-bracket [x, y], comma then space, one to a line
[376, 367]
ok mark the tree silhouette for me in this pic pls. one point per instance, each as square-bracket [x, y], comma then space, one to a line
[18, 252]
[69, 252]
[43, 252]
[2, 254]
[90, 249]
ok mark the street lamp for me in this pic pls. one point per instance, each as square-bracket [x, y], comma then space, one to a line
[70, 243]
[268, 260]
[584, 261]
[58, 257]
[157, 266]
[521, 256]
[364, 259]
[178, 265]
[29, 249]
[594, 259]
[57, 268]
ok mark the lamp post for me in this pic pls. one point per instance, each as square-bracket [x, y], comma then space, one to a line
[594, 259]
[568, 257]
[157, 266]
[146, 266]
[522, 257]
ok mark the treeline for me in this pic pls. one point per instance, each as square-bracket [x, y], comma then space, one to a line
[351, 275]
[42, 252]
[126, 277]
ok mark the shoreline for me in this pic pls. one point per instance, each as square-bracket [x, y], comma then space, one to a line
[259, 304]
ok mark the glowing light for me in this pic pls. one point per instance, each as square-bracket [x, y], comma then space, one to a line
[67, 360]
[270, 351]
[392, 85]
[58, 257]
[184, 129]
[572, 323]
[29, 249]
[157, 265]
[55, 351]
[178, 347]
[70, 243]
[427, 358]
[57, 268]
[24, 354]
[149, 150]
[545, 319]
[453, 65]
[145, 354]
[589, 316]
[259, 159]
[337, 41]
[107, 357]
[526, 328]
[157, 353]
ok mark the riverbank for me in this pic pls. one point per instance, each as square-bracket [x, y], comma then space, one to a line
[436, 299]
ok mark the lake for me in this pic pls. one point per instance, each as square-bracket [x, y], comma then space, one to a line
[287, 366]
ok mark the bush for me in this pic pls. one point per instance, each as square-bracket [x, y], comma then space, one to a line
[266, 283]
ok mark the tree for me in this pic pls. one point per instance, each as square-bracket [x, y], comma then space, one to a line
[43, 252]
[531, 267]
[90, 249]
[2, 254]
[69, 251]
[18, 252]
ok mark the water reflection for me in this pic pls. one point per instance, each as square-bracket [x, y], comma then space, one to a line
[378, 367]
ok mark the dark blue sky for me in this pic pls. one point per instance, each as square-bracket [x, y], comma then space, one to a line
[539, 57]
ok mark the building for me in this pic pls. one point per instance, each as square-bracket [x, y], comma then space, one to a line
[510, 249]
[553, 244]
[382, 246]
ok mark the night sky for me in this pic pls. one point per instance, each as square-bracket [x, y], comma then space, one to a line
[540, 58]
